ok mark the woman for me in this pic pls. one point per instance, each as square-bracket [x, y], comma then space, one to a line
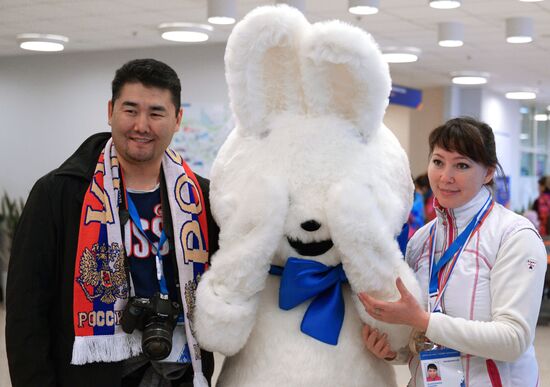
[484, 304]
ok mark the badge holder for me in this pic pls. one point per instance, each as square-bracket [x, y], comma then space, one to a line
[442, 368]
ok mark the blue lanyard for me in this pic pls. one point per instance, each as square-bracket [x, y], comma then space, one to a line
[454, 251]
[132, 210]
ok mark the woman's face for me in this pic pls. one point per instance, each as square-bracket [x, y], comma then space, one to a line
[455, 179]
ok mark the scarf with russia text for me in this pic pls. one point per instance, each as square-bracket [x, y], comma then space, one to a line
[100, 283]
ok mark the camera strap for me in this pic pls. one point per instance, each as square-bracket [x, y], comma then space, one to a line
[136, 220]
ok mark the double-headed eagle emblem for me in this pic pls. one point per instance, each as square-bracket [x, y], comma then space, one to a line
[103, 268]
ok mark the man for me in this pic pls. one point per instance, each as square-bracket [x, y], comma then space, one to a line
[89, 252]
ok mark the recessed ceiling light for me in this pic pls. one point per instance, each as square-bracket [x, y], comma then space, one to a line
[396, 57]
[451, 43]
[42, 42]
[521, 95]
[519, 39]
[541, 117]
[444, 4]
[221, 20]
[363, 7]
[469, 78]
[519, 30]
[222, 12]
[450, 34]
[185, 32]
[400, 54]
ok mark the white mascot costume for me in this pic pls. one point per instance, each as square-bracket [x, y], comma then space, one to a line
[312, 185]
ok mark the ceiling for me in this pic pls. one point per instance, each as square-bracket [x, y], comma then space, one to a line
[93, 25]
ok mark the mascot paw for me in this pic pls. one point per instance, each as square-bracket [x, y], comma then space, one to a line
[222, 321]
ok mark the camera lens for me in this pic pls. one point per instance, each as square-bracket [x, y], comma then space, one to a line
[156, 340]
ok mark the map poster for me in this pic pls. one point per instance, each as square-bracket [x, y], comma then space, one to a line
[203, 130]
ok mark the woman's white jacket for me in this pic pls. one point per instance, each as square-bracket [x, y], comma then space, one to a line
[492, 302]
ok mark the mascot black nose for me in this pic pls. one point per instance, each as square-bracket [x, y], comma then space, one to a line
[310, 225]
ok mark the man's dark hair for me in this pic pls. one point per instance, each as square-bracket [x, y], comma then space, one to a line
[432, 366]
[150, 73]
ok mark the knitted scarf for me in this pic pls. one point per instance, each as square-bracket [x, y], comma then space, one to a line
[100, 282]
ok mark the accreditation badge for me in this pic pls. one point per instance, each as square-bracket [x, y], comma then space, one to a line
[442, 368]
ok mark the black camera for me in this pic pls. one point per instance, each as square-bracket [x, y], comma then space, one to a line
[156, 317]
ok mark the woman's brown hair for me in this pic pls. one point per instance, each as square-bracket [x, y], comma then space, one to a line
[469, 137]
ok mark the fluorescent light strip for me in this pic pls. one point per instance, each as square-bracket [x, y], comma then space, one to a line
[521, 95]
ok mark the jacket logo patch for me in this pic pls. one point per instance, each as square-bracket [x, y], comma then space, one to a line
[531, 263]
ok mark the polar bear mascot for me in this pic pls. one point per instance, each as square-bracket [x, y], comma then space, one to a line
[311, 185]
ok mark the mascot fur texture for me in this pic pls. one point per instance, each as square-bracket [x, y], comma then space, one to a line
[309, 145]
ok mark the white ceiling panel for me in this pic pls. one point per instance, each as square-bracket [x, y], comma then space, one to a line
[115, 24]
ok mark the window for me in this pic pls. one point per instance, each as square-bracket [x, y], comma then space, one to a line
[534, 142]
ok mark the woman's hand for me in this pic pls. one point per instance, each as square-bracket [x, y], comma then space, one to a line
[404, 311]
[377, 343]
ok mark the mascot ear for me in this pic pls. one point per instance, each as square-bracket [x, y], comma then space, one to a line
[263, 66]
[344, 74]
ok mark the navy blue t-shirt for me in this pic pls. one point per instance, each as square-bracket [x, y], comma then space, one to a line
[141, 255]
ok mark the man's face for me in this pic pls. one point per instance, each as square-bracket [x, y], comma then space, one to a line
[432, 373]
[143, 121]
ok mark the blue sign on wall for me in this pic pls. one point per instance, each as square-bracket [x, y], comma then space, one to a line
[405, 96]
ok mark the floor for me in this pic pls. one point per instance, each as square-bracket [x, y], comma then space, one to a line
[542, 344]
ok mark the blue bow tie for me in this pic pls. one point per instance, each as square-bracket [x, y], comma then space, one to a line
[303, 279]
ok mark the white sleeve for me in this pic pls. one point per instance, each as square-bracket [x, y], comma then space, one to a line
[517, 280]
